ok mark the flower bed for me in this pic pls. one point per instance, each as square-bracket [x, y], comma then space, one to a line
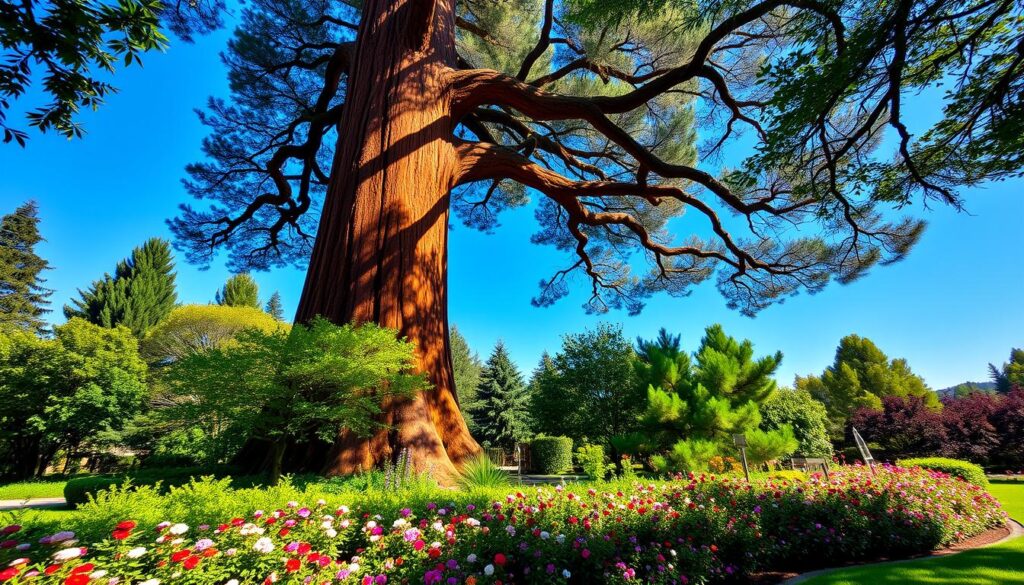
[689, 530]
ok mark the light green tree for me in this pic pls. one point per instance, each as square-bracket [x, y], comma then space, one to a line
[196, 328]
[64, 392]
[807, 417]
[299, 386]
[1011, 374]
[240, 290]
[860, 376]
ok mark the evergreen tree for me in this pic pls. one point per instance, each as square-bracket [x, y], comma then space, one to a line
[467, 366]
[22, 296]
[502, 407]
[544, 398]
[240, 290]
[1011, 374]
[860, 377]
[695, 405]
[274, 306]
[139, 295]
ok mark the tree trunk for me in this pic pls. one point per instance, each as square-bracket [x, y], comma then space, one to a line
[382, 247]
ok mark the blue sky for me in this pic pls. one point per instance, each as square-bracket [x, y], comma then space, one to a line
[953, 306]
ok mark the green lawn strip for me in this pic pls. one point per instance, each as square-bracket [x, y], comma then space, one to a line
[994, 565]
[33, 489]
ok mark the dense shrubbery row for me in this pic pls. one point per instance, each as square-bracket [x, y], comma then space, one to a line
[981, 427]
[963, 469]
[693, 529]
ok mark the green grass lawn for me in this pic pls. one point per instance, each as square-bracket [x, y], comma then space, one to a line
[33, 489]
[996, 565]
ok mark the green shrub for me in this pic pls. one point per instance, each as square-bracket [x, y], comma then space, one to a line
[78, 490]
[591, 459]
[482, 473]
[551, 455]
[955, 467]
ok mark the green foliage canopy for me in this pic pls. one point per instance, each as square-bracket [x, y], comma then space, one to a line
[240, 290]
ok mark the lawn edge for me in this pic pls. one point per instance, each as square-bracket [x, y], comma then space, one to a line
[1016, 531]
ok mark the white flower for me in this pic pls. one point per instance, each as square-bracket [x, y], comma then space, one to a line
[544, 535]
[178, 529]
[232, 582]
[231, 552]
[263, 545]
[331, 533]
[67, 554]
[345, 523]
[560, 538]
[15, 562]
[371, 524]
[136, 552]
[354, 567]
[399, 523]
[473, 522]
[471, 558]
[489, 570]
[343, 509]
[438, 526]
[97, 574]
[150, 582]
[250, 528]
[566, 573]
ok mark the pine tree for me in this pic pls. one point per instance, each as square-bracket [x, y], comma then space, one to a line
[466, 366]
[139, 295]
[502, 408]
[240, 290]
[274, 306]
[22, 296]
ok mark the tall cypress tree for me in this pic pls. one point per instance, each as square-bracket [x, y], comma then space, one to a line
[22, 296]
[274, 306]
[502, 407]
[139, 294]
[240, 290]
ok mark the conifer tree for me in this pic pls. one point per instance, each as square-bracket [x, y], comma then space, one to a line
[274, 306]
[466, 366]
[240, 290]
[139, 295]
[695, 406]
[22, 295]
[502, 407]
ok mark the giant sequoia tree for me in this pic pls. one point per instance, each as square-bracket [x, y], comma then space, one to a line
[356, 127]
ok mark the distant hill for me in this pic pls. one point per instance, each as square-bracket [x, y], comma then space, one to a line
[967, 387]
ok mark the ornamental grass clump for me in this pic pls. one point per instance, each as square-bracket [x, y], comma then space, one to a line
[691, 529]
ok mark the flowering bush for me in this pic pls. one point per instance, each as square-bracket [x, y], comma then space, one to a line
[692, 529]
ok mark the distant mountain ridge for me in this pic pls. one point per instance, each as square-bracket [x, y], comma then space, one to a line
[965, 387]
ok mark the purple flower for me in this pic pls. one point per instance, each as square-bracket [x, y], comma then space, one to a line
[304, 512]
[432, 577]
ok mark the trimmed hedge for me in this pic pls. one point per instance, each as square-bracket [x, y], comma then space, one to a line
[963, 469]
[78, 490]
[551, 455]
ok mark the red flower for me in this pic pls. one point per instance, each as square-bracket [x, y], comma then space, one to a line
[126, 525]
[499, 559]
[9, 544]
[304, 548]
[77, 579]
[51, 569]
[121, 534]
[292, 565]
[86, 568]
[8, 573]
[181, 555]
[191, 562]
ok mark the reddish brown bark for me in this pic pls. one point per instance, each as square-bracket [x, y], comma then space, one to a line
[382, 247]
